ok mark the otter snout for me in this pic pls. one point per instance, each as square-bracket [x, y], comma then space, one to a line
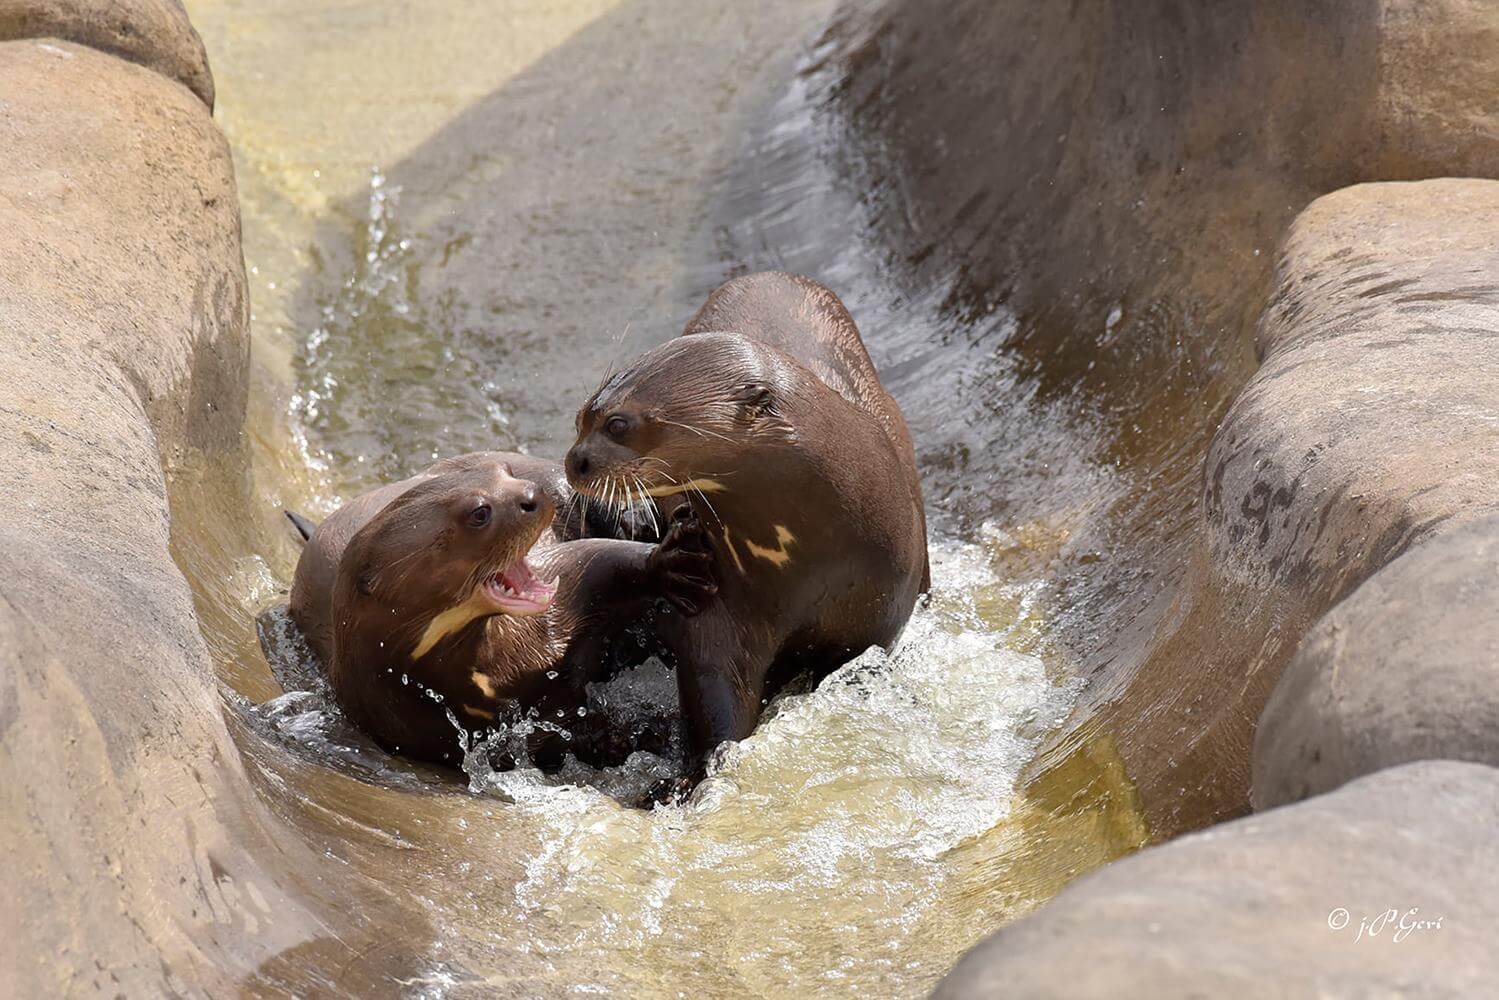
[529, 499]
[524, 499]
[578, 463]
[591, 458]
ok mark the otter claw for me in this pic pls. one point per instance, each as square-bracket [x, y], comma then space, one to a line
[685, 564]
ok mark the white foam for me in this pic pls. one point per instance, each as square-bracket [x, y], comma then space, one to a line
[858, 787]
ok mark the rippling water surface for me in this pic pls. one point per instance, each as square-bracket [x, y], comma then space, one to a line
[817, 854]
[446, 247]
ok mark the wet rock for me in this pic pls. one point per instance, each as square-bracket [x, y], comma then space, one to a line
[132, 839]
[1117, 176]
[1120, 173]
[154, 33]
[1407, 668]
[1368, 429]
[1371, 430]
[1273, 905]
[1370, 423]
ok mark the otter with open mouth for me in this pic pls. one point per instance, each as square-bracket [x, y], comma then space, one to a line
[767, 417]
[451, 595]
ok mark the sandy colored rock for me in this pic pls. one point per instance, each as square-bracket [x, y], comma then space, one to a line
[1407, 668]
[1256, 907]
[1118, 177]
[133, 851]
[154, 33]
[1373, 420]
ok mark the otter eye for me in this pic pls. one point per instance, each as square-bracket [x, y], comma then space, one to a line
[757, 398]
[616, 425]
[480, 515]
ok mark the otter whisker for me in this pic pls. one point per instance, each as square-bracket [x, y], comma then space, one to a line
[616, 502]
[673, 480]
[704, 498]
[677, 482]
[696, 430]
[650, 508]
[609, 368]
[629, 504]
[394, 564]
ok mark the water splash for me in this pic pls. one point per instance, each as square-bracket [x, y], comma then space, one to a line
[384, 370]
[375, 287]
[846, 799]
[861, 798]
[306, 721]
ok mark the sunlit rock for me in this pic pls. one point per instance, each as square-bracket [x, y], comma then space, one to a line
[1385, 887]
[1407, 668]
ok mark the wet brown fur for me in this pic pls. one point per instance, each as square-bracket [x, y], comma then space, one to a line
[401, 561]
[802, 473]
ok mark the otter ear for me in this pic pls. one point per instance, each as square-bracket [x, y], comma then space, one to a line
[365, 582]
[756, 399]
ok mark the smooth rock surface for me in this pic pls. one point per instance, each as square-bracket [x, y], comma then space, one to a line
[1374, 417]
[1405, 669]
[1256, 907]
[1117, 176]
[134, 857]
[1371, 427]
[154, 33]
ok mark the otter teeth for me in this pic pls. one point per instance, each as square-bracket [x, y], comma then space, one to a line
[519, 591]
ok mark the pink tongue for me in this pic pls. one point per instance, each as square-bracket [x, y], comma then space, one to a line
[519, 578]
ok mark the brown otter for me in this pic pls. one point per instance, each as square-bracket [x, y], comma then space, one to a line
[767, 416]
[311, 603]
[447, 598]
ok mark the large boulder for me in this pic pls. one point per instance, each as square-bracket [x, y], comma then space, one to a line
[1373, 420]
[1067, 159]
[154, 33]
[1371, 429]
[134, 847]
[1387, 887]
[1407, 668]
[1100, 187]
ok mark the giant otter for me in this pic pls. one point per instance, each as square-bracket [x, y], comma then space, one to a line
[311, 603]
[447, 597]
[768, 418]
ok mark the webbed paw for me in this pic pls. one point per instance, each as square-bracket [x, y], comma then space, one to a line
[683, 564]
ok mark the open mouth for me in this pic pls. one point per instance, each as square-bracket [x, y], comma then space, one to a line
[516, 590]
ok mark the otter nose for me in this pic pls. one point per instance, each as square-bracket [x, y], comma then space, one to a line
[577, 463]
[521, 498]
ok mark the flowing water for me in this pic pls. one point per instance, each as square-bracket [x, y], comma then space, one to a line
[452, 224]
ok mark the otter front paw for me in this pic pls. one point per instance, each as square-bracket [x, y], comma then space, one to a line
[682, 565]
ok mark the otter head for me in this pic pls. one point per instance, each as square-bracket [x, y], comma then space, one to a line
[446, 553]
[680, 419]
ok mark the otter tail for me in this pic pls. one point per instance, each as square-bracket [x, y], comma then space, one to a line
[304, 527]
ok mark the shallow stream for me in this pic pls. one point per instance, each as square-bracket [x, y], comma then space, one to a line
[452, 224]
